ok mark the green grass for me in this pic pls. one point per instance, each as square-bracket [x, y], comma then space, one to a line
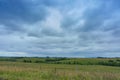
[42, 71]
[79, 61]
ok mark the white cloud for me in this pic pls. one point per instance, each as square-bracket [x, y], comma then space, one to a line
[53, 21]
[15, 54]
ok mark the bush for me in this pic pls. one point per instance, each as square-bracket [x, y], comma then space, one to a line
[3, 79]
[27, 61]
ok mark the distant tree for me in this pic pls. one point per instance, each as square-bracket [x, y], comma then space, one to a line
[118, 60]
[110, 60]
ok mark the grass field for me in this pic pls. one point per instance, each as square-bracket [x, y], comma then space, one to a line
[43, 71]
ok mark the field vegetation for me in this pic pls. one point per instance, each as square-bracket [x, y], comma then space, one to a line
[59, 60]
[59, 68]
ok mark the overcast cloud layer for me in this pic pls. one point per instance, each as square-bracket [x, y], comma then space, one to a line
[60, 28]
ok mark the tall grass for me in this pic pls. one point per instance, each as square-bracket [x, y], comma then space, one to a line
[34, 71]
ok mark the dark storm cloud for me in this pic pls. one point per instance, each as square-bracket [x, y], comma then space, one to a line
[20, 9]
[14, 12]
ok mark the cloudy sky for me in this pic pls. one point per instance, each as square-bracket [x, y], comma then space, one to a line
[60, 28]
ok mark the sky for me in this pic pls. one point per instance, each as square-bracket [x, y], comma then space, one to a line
[60, 28]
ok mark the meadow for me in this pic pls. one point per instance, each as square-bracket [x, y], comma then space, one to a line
[58, 69]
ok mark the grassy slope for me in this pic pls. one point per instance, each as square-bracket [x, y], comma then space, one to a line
[35, 71]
